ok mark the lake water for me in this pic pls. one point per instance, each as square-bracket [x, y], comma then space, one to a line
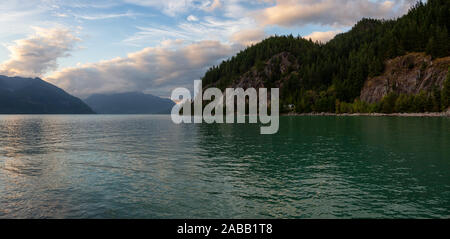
[147, 167]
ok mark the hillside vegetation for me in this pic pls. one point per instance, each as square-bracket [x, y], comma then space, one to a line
[316, 77]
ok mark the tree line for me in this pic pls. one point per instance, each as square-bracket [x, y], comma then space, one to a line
[330, 76]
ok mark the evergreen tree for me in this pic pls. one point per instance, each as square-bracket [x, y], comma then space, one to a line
[345, 62]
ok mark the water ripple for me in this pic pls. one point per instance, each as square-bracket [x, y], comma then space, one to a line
[147, 167]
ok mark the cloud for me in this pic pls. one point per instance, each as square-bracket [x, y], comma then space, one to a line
[209, 28]
[202, 33]
[18, 15]
[155, 70]
[323, 36]
[175, 7]
[192, 18]
[235, 8]
[168, 7]
[289, 13]
[248, 37]
[105, 16]
[81, 4]
[37, 54]
[213, 5]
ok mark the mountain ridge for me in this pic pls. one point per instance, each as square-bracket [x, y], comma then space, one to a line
[19, 95]
[317, 77]
[409, 74]
[129, 103]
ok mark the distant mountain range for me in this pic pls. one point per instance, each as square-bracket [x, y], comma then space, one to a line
[388, 66]
[20, 95]
[34, 96]
[129, 103]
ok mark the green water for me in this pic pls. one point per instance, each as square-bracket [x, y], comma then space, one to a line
[147, 167]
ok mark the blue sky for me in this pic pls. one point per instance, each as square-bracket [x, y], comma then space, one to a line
[153, 46]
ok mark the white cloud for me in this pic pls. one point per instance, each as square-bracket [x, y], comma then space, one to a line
[323, 36]
[329, 12]
[155, 70]
[212, 5]
[105, 16]
[37, 54]
[192, 18]
[205, 31]
[169, 7]
[235, 9]
[81, 4]
[174, 7]
[18, 15]
[248, 37]
[210, 28]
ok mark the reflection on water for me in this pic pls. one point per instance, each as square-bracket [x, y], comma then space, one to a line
[147, 167]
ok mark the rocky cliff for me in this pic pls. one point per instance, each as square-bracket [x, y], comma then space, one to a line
[270, 74]
[408, 74]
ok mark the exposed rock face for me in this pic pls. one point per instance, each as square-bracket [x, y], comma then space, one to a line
[407, 74]
[270, 74]
[280, 65]
[284, 62]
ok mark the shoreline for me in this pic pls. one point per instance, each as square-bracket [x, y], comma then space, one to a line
[427, 114]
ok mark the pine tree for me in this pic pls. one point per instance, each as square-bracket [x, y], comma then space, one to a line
[346, 61]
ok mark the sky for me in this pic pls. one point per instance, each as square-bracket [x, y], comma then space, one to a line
[153, 46]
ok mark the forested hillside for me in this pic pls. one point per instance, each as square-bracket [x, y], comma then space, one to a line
[322, 77]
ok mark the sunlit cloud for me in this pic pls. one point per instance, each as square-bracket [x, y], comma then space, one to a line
[213, 5]
[154, 69]
[323, 36]
[161, 44]
[192, 18]
[248, 37]
[329, 12]
[38, 54]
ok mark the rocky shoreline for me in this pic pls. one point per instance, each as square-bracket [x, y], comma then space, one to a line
[427, 114]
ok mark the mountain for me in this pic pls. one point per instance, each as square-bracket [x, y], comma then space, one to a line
[409, 74]
[34, 96]
[341, 75]
[129, 103]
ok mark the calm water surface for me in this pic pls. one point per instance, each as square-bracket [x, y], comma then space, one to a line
[147, 167]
